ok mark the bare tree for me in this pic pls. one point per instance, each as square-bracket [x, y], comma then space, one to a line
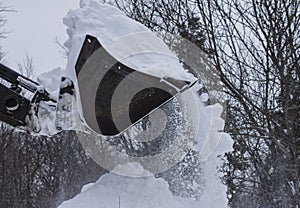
[3, 9]
[255, 49]
[26, 68]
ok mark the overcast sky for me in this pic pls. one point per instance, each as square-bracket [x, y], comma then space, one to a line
[33, 29]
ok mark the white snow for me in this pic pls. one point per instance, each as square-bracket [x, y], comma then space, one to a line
[127, 40]
[137, 192]
[118, 191]
[136, 46]
[114, 190]
[51, 81]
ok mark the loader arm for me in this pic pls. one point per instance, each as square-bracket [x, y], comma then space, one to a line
[14, 106]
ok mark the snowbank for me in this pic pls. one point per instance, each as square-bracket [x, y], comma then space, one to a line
[143, 192]
[118, 191]
[114, 190]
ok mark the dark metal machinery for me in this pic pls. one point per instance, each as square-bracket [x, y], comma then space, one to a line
[145, 101]
[14, 107]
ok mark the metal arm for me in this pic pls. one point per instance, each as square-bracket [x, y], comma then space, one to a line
[17, 79]
[14, 107]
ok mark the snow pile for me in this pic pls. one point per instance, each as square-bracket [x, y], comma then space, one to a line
[114, 190]
[128, 41]
[118, 191]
